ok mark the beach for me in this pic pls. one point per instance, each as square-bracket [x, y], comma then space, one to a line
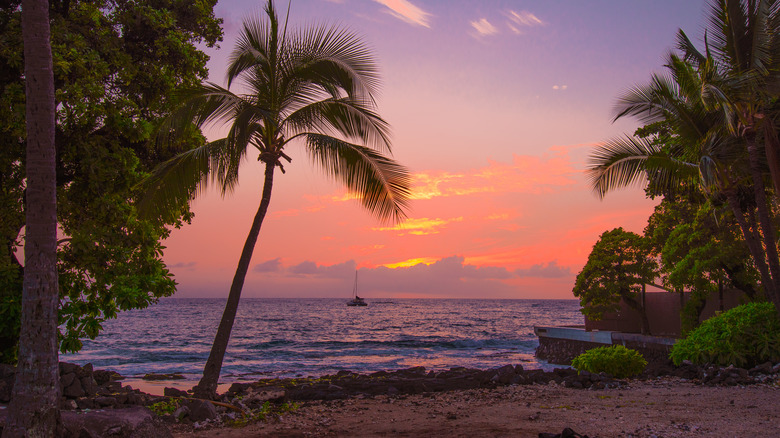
[662, 407]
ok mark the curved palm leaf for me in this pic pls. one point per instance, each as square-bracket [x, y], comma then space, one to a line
[380, 182]
[628, 161]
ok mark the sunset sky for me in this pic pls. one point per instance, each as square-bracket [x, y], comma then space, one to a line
[494, 106]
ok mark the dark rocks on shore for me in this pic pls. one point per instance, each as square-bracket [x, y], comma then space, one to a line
[86, 389]
[155, 376]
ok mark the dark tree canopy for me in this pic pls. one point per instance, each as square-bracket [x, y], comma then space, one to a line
[117, 68]
[618, 267]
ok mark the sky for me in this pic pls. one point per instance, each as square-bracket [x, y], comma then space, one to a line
[495, 106]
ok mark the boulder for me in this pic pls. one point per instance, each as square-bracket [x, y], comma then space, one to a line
[134, 422]
[173, 392]
[201, 410]
[103, 377]
[67, 368]
[67, 379]
[181, 413]
[74, 390]
[105, 401]
[89, 384]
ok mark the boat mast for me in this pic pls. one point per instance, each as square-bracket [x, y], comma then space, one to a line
[354, 288]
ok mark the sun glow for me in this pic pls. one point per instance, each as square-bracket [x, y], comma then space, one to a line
[411, 262]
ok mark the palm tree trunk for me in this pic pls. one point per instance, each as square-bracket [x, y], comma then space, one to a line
[765, 221]
[207, 387]
[34, 409]
[754, 246]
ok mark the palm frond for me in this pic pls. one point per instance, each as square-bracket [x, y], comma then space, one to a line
[180, 179]
[329, 55]
[628, 161]
[343, 117]
[383, 185]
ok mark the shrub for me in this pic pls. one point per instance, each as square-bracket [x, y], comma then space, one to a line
[744, 336]
[616, 360]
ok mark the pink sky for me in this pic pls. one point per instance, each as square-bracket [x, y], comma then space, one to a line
[495, 107]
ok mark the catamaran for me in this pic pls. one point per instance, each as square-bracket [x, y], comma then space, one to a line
[357, 301]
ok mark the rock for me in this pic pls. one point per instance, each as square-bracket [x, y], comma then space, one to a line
[89, 385]
[181, 413]
[155, 376]
[173, 392]
[201, 410]
[505, 374]
[74, 390]
[68, 405]
[105, 401]
[134, 422]
[103, 377]
[86, 371]
[67, 379]
[85, 403]
[67, 368]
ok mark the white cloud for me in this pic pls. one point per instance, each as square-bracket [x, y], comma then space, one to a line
[524, 18]
[406, 11]
[483, 27]
[560, 87]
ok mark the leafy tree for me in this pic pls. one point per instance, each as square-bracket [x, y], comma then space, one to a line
[716, 109]
[34, 409]
[117, 64]
[312, 86]
[618, 268]
[701, 251]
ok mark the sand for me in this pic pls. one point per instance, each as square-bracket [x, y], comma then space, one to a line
[664, 407]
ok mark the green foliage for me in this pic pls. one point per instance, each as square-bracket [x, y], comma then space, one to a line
[616, 360]
[267, 409]
[165, 407]
[743, 336]
[617, 267]
[118, 66]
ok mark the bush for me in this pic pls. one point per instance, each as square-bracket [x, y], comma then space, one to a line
[616, 360]
[744, 336]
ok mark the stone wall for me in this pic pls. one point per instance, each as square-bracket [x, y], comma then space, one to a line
[561, 351]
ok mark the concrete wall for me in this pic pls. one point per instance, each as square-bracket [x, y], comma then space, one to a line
[663, 313]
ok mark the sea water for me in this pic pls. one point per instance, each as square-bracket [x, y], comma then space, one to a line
[314, 337]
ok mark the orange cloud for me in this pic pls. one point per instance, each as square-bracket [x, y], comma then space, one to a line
[411, 262]
[420, 226]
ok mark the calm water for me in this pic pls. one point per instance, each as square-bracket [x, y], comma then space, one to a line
[313, 337]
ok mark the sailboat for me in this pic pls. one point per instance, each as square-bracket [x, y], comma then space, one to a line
[357, 301]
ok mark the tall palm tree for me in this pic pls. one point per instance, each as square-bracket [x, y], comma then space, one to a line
[313, 86]
[34, 409]
[716, 107]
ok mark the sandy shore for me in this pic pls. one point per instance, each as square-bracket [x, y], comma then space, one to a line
[664, 407]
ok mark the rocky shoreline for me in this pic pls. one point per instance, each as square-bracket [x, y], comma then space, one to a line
[85, 390]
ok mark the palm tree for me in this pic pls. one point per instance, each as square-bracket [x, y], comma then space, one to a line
[714, 108]
[313, 86]
[34, 409]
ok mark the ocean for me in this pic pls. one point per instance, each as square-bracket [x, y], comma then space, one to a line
[314, 337]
